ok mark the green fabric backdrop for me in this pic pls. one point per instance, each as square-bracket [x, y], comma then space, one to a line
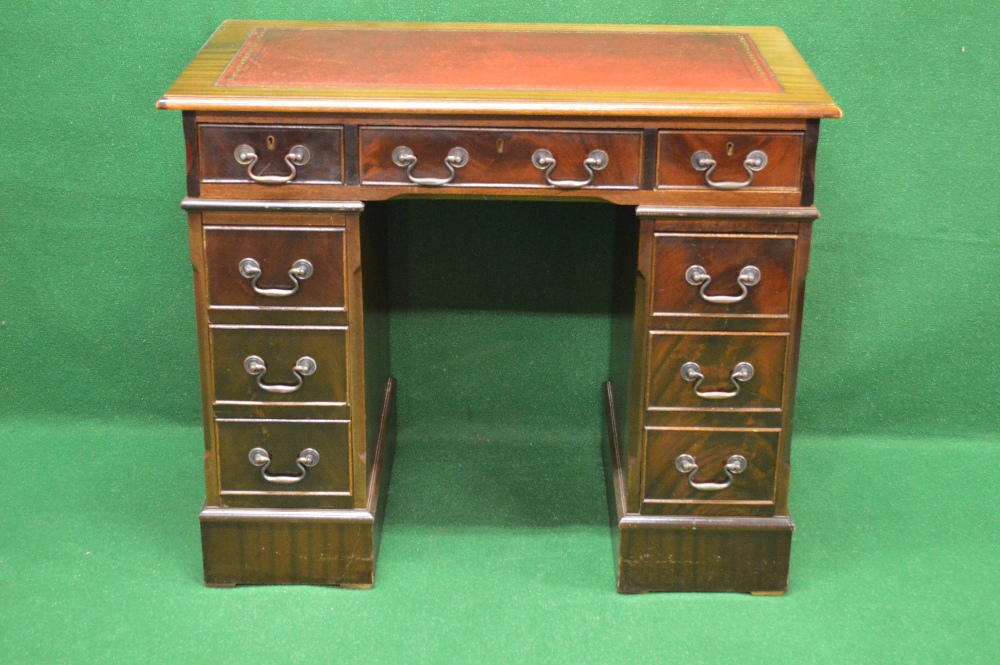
[496, 547]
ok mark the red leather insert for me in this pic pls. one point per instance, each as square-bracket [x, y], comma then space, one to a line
[384, 58]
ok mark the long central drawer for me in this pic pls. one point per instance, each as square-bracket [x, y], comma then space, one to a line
[500, 157]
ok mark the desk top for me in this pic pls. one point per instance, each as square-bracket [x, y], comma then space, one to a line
[461, 68]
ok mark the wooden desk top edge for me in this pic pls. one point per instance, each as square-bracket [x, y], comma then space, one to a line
[802, 97]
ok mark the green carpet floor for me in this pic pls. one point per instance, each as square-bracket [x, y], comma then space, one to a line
[493, 552]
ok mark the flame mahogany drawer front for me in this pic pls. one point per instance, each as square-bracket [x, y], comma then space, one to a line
[730, 160]
[570, 159]
[729, 472]
[251, 267]
[271, 154]
[284, 462]
[704, 370]
[261, 364]
[722, 274]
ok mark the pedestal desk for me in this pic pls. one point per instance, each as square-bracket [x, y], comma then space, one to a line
[704, 137]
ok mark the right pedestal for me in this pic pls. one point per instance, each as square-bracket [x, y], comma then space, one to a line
[705, 342]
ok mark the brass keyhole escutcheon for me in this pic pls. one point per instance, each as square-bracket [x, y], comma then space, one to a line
[270, 143]
[500, 146]
[729, 149]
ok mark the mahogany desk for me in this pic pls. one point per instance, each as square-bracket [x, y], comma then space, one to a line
[706, 139]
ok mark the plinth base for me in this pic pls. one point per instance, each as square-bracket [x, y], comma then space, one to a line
[690, 553]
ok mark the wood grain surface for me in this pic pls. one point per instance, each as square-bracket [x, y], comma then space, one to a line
[705, 554]
[280, 347]
[276, 249]
[729, 149]
[247, 547]
[271, 143]
[717, 354]
[711, 449]
[326, 485]
[501, 157]
[723, 256]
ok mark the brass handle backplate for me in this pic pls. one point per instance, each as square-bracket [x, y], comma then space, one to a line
[595, 161]
[742, 373]
[254, 365]
[698, 276]
[300, 271]
[297, 156]
[687, 465]
[456, 159]
[703, 161]
[307, 458]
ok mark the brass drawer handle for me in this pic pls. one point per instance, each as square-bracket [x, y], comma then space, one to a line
[307, 458]
[300, 271]
[696, 275]
[254, 365]
[543, 159]
[456, 159]
[702, 161]
[743, 372]
[297, 156]
[687, 465]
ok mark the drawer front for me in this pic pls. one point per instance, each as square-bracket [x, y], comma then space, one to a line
[722, 274]
[275, 152]
[717, 357]
[282, 463]
[282, 372]
[710, 473]
[730, 152]
[275, 267]
[501, 157]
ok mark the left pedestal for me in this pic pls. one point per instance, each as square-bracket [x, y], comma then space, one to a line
[297, 399]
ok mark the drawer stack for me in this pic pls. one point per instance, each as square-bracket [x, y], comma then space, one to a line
[718, 351]
[279, 388]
